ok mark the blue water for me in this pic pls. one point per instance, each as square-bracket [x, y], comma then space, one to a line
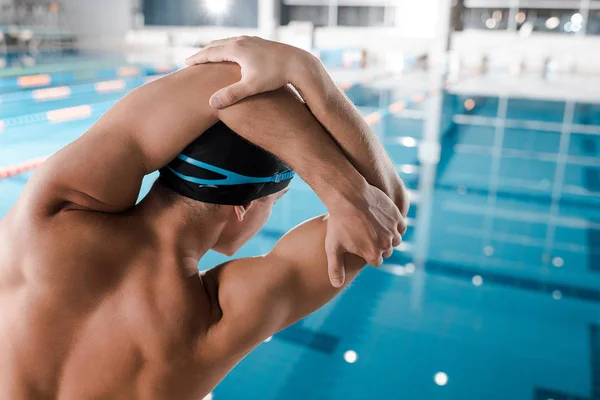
[499, 285]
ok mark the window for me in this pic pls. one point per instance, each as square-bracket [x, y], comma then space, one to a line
[548, 20]
[364, 16]
[485, 18]
[593, 25]
[566, 21]
[318, 15]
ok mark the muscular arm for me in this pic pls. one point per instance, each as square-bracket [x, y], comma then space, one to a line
[104, 168]
[262, 295]
[344, 122]
[268, 65]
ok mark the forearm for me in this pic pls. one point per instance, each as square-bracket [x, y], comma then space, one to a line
[278, 122]
[345, 124]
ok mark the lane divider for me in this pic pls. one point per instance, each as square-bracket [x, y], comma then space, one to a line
[55, 93]
[69, 114]
[34, 80]
[110, 86]
[59, 115]
[64, 78]
[18, 169]
[128, 71]
[63, 92]
[65, 66]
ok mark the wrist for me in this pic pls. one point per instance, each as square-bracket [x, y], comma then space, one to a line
[347, 191]
[304, 68]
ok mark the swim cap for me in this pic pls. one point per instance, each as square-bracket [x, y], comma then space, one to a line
[221, 167]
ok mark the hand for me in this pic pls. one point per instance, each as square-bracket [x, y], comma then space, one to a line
[370, 229]
[265, 65]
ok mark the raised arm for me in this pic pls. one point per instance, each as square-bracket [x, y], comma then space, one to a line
[302, 142]
[268, 65]
[103, 170]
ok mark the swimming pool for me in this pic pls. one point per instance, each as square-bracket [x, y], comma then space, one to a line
[495, 293]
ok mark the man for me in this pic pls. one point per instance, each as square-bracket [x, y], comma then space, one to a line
[101, 298]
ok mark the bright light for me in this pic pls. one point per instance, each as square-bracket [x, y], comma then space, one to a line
[558, 262]
[440, 378]
[477, 280]
[577, 18]
[526, 29]
[409, 169]
[410, 268]
[497, 15]
[491, 23]
[407, 141]
[350, 356]
[568, 27]
[557, 294]
[217, 7]
[575, 27]
[208, 396]
[398, 270]
[520, 17]
[488, 250]
[469, 104]
[552, 23]
[267, 340]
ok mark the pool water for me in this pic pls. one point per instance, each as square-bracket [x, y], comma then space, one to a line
[495, 293]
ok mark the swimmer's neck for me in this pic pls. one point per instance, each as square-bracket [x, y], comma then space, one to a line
[189, 232]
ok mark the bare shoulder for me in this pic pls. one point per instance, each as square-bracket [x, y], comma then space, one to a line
[74, 247]
[301, 244]
[253, 296]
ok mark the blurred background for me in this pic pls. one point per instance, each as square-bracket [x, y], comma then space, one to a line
[490, 110]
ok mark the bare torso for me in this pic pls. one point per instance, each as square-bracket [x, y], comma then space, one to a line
[97, 306]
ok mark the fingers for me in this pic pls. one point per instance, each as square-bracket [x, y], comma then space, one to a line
[217, 53]
[221, 42]
[397, 239]
[230, 95]
[335, 267]
[399, 217]
[388, 253]
[387, 247]
[376, 261]
[402, 226]
[225, 51]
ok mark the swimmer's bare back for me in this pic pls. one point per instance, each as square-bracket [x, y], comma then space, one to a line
[96, 299]
[103, 310]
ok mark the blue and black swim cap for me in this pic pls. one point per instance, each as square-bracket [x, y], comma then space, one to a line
[221, 167]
